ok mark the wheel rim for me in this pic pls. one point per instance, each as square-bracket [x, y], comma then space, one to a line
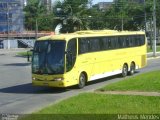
[82, 81]
[125, 70]
[132, 69]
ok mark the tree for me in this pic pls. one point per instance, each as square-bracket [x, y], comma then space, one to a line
[126, 15]
[157, 12]
[97, 19]
[36, 11]
[81, 15]
[73, 15]
[136, 13]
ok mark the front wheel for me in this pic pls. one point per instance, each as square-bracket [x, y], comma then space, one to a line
[124, 70]
[82, 80]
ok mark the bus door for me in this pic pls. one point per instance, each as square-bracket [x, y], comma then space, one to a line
[71, 56]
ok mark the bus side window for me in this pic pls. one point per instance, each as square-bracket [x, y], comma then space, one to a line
[142, 40]
[123, 40]
[71, 54]
[83, 46]
[120, 42]
[115, 44]
[112, 39]
[104, 43]
[127, 41]
[131, 44]
[109, 43]
[94, 44]
[134, 41]
[137, 41]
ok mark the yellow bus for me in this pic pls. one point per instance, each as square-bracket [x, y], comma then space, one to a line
[76, 58]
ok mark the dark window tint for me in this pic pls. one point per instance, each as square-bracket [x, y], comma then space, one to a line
[123, 42]
[110, 43]
[94, 44]
[142, 40]
[131, 41]
[120, 42]
[71, 54]
[114, 43]
[48, 57]
[127, 41]
[83, 45]
[137, 41]
[104, 43]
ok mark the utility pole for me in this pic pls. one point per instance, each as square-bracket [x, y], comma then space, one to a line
[36, 30]
[122, 19]
[154, 28]
[145, 20]
[151, 34]
[122, 23]
[8, 26]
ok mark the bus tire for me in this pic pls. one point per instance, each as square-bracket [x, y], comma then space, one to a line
[124, 70]
[132, 68]
[82, 80]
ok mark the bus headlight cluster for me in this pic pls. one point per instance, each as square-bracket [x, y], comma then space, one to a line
[58, 79]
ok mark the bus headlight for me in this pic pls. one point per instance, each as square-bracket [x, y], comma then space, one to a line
[58, 79]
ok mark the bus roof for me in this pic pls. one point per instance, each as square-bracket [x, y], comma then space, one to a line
[89, 33]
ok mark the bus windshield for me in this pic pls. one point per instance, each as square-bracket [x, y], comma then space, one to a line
[48, 57]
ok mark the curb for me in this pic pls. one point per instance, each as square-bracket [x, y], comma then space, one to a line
[150, 55]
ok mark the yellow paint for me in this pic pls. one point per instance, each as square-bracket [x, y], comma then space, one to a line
[94, 63]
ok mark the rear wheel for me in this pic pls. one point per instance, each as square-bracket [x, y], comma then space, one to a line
[124, 70]
[132, 69]
[82, 80]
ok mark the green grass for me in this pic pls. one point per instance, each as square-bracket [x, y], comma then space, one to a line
[144, 82]
[24, 54]
[92, 103]
[102, 106]
[150, 50]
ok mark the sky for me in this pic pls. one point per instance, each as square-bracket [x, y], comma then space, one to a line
[96, 1]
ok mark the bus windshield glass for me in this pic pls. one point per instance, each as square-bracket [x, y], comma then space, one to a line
[48, 57]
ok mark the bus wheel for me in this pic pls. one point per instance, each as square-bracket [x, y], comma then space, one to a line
[82, 80]
[124, 70]
[132, 69]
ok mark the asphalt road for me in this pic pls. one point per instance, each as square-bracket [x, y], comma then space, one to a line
[18, 96]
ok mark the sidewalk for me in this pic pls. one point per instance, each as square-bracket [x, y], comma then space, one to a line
[150, 54]
[13, 51]
[140, 93]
